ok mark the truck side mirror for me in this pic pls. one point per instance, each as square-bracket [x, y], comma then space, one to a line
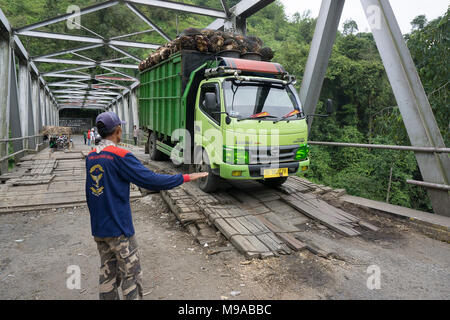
[329, 106]
[210, 101]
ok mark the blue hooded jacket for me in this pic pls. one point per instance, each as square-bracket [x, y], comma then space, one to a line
[108, 177]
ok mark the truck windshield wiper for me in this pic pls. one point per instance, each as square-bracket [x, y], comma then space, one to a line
[290, 114]
[259, 117]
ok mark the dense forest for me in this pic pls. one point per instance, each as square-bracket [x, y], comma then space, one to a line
[366, 110]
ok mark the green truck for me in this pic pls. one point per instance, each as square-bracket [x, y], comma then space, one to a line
[234, 118]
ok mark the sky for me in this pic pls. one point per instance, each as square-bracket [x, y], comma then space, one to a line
[405, 11]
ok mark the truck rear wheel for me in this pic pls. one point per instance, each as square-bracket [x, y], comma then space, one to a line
[211, 182]
[155, 154]
[274, 182]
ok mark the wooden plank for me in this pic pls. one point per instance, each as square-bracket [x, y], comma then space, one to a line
[240, 242]
[293, 243]
[262, 233]
[260, 246]
[315, 212]
[34, 180]
[274, 219]
[367, 225]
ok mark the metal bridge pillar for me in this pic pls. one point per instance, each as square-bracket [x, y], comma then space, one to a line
[134, 108]
[14, 111]
[126, 114]
[319, 54]
[47, 110]
[23, 99]
[57, 115]
[50, 111]
[26, 104]
[31, 113]
[411, 99]
[42, 106]
[5, 59]
[37, 116]
[52, 106]
[120, 108]
[114, 108]
[130, 115]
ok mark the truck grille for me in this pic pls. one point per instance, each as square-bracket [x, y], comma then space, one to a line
[262, 155]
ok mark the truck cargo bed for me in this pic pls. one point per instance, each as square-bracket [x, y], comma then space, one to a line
[162, 107]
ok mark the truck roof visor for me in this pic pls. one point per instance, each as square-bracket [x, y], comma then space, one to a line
[253, 66]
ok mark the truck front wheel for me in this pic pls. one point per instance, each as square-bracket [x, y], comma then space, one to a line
[274, 182]
[155, 154]
[211, 182]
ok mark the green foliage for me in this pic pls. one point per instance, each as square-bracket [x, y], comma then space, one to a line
[429, 45]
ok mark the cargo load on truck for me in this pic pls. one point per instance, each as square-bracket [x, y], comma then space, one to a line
[213, 42]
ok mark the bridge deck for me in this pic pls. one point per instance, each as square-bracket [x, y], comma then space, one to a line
[47, 180]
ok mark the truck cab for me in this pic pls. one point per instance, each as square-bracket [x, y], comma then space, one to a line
[249, 125]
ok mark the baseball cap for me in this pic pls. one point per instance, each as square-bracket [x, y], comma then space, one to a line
[109, 119]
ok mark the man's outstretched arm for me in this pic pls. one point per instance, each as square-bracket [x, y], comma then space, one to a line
[134, 171]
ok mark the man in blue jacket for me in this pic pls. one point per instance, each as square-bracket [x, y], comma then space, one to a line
[109, 172]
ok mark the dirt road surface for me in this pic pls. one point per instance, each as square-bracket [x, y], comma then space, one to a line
[36, 249]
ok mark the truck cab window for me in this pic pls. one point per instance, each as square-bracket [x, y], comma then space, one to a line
[210, 113]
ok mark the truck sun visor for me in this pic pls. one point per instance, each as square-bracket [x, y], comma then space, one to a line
[253, 66]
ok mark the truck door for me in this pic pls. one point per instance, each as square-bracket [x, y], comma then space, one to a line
[207, 132]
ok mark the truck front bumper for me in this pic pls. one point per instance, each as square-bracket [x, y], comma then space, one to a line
[255, 171]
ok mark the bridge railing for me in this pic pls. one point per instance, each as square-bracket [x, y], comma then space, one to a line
[20, 151]
[431, 185]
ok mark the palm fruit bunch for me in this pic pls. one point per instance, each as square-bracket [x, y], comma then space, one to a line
[208, 41]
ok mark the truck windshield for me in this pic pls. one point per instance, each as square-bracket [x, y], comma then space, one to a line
[247, 99]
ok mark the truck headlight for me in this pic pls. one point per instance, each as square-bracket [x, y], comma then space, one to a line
[235, 156]
[302, 152]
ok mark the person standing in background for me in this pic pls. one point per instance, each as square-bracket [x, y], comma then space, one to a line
[92, 137]
[135, 135]
[85, 136]
[89, 137]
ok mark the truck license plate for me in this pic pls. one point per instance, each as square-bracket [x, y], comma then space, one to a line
[275, 173]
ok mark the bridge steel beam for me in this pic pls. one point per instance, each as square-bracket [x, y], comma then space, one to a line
[26, 104]
[129, 55]
[182, 7]
[412, 100]
[126, 114]
[138, 13]
[86, 63]
[14, 112]
[134, 107]
[43, 106]
[66, 37]
[63, 17]
[36, 105]
[236, 18]
[55, 54]
[5, 79]
[319, 54]
[130, 115]
[120, 108]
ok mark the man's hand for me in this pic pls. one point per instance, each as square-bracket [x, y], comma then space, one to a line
[198, 175]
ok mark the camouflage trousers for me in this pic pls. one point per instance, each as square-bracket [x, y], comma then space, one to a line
[119, 267]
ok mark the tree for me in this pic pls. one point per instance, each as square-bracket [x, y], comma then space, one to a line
[419, 22]
[350, 26]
